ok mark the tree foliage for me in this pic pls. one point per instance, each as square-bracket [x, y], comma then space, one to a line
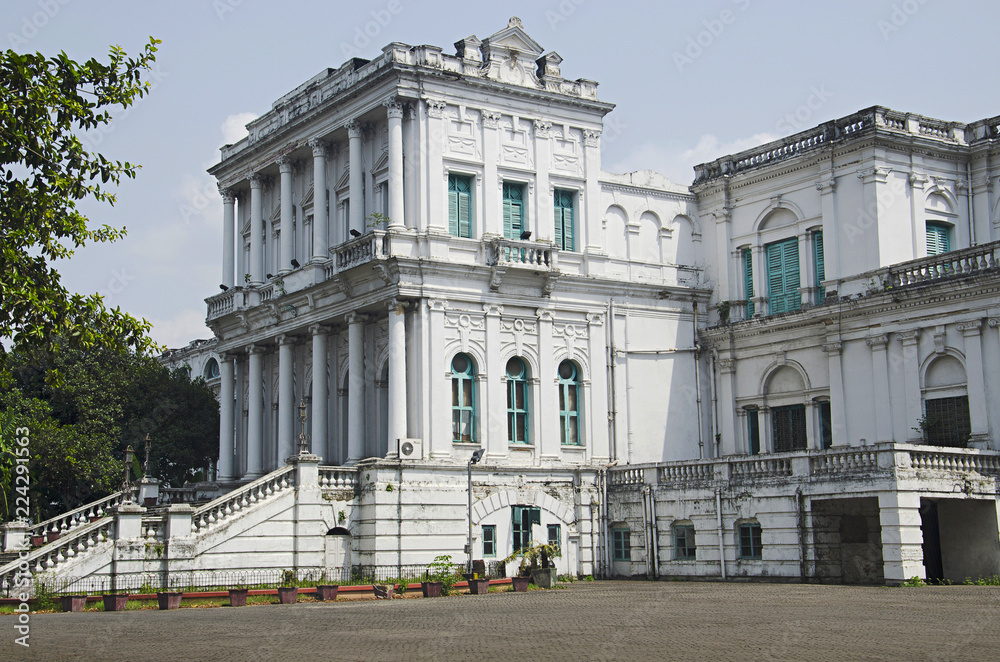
[44, 172]
[106, 400]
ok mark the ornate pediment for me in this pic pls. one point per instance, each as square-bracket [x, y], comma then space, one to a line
[509, 55]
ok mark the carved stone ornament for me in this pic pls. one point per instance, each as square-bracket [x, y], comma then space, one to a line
[393, 108]
[591, 138]
[491, 120]
[353, 129]
[435, 108]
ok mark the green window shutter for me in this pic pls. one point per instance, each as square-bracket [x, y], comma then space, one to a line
[465, 212]
[564, 220]
[820, 265]
[775, 279]
[513, 211]
[748, 279]
[558, 222]
[783, 276]
[459, 206]
[938, 239]
[452, 209]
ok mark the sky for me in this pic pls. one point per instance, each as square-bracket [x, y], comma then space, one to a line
[692, 82]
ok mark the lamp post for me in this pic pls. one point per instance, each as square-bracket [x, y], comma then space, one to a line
[303, 444]
[145, 466]
[476, 455]
[126, 488]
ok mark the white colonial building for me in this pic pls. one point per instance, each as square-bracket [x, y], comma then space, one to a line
[780, 371]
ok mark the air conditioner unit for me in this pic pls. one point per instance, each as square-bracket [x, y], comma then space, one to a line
[409, 449]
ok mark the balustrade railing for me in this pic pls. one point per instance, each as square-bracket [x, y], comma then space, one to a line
[371, 246]
[682, 473]
[153, 528]
[76, 543]
[963, 262]
[625, 476]
[532, 254]
[760, 468]
[62, 524]
[221, 304]
[336, 478]
[850, 461]
[213, 512]
[950, 461]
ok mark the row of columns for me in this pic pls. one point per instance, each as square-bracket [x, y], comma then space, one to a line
[320, 213]
[319, 429]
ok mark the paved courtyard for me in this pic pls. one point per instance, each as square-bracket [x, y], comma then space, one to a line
[588, 621]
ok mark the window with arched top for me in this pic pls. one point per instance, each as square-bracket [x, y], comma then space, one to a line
[569, 403]
[946, 420]
[517, 402]
[463, 399]
[211, 369]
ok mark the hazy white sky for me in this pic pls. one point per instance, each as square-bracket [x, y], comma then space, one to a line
[692, 82]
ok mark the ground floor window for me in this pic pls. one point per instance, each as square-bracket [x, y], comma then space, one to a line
[621, 545]
[684, 549]
[750, 541]
[825, 423]
[555, 535]
[946, 421]
[489, 541]
[522, 519]
[753, 430]
[789, 427]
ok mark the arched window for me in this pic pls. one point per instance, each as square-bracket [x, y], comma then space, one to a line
[463, 400]
[211, 369]
[569, 404]
[517, 402]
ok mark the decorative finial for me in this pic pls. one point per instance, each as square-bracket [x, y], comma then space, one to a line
[514, 22]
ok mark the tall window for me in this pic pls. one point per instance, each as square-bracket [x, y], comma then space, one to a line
[460, 205]
[783, 276]
[751, 546]
[825, 423]
[569, 407]
[684, 549]
[938, 238]
[522, 518]
[820, 264]
[621, 545]
[555, 535]
[211, 369]
[789, 427]
[748, 280]
[947, 422]
[517, 402]
[753, 430]
[463, 400]
[489, 540]
[565, 235]
[514, 222]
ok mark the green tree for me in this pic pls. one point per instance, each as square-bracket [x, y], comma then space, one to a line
[106, 400]
[44, 172]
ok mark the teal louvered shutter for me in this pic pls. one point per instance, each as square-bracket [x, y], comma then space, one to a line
[452, 206]
[508, 223]
[775, 279]
[793, 298]
[464, 207]
[564, 220]
[820, 266]
[938, 239]
[783, 276]
[558, 221]
[513, 211]
[748, 279]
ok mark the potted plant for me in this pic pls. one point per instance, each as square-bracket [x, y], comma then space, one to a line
[169, 599]
[479, 586]
[73, 602]
[441, 577]
[238, 596]
[326, 592]
[519, 583]
[536, 563]
[115, 601]
[288, 592]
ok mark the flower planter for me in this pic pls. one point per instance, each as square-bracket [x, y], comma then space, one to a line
[238, 597]
[73, 602]
[384, 591]
[520, 584]
[542, 577]
[288, 595]
[479, 586]
[326, 592]
[37, 541]
[431, 589]
[54, 536]
[115, 601]
[149, 502]
[169, 599]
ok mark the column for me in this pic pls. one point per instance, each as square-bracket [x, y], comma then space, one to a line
[597, 431]
[286, 400]
[285, 249]
[975, 379]
[355, 388]
[762, 306]
[488, 210]
[494, 407]
[255, 413]
[320, 395]
[902, 540]
[227, 402]
[592, 169]
[321, 227]
[838, 420]
[228, 236]
[880, 381]
[725, 389]
[831, 235]
[911, 377]
[397, 373]
[765, 430]
[394, 110]
[440, 390]
[357, 208]
[256, 231]
[543, 221]
[548, 441]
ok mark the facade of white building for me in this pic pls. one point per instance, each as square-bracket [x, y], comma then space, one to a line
[780, 371]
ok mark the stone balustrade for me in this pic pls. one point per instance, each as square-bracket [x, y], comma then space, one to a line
[338, 478]
[516, 253]
[81, 540]
[214, 512]
[371, 246]
[63, 524]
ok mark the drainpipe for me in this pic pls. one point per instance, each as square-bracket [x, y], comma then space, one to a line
[612, 392]
[715, 408]
[968, 200]
[645, 533]
[697, 379]
[801, 502]
[722, 543]
[654, 542]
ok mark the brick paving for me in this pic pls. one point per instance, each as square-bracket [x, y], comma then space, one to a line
[612, 620]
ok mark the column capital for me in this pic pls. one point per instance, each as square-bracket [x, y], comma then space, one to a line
[254, 348]
[492, 309]
[435, 107]
[544, 315]
[542, 128]
[877, 342]
[591, 138]
[319, 147]
[285, 164]
[319, 329]
[286, 339]
[353, 129]
[393, 108]
[437, 305]
[256, 181]
[228, 195]
[491, 119]
[833, 347]
[827, 185]
[994, 322]
[907, 337]
[970, 327]
[595, 319]
[727, 366]
[356, 318]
